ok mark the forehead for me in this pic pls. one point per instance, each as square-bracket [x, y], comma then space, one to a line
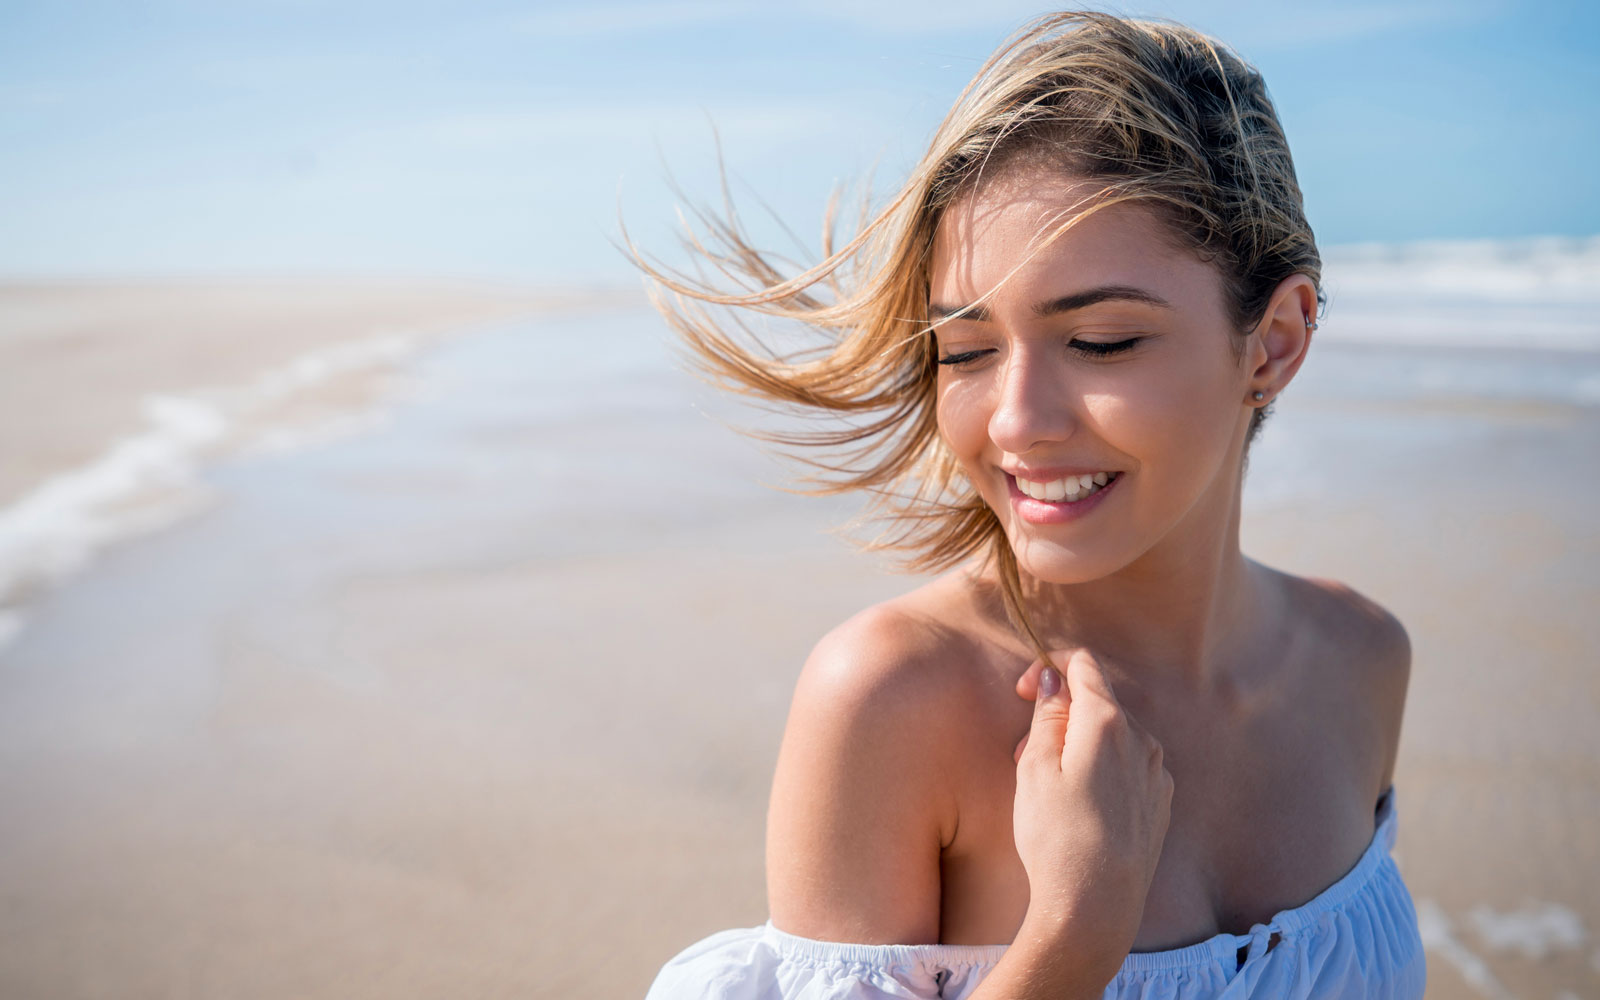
[997, 239]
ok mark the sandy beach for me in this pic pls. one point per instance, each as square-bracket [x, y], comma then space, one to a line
[112, 345]
[484, 699]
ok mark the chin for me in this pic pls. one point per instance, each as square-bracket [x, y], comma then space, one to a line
[1051, 563]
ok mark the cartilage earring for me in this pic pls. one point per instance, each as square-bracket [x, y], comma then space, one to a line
[1259, 395]
[1311, 324]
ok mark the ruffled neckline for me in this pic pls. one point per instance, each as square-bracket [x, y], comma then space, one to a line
[1221, 947]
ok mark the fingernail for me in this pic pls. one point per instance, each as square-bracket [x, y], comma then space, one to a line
[1049, 682]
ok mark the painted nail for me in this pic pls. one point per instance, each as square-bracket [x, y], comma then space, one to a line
[1049, 682]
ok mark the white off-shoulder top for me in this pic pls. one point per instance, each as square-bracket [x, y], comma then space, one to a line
[1356, 939]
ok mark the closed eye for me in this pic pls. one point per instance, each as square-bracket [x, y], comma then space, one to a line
[1100, 349]
[964, 357]
[1094, 348]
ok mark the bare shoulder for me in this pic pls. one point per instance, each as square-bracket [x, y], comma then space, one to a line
[1364, 642]
[898, 649]
[1363, 627]
[860, 810]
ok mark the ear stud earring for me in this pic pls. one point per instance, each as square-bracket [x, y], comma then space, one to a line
[1259, 395]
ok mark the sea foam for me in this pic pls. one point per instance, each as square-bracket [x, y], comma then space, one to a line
[151, 478]
[1541, 292]
[1534, 930]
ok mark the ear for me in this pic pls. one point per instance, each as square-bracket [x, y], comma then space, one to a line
[1279, 342]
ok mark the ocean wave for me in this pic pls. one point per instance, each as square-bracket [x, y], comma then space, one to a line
[152, 477]
[1540, 292]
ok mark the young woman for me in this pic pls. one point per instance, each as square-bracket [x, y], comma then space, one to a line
[1105, 753]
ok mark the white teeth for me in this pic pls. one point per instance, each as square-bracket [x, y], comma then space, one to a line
[1069, 488]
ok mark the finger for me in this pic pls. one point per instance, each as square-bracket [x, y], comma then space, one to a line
[1028, 683]
[1085, 678]
[1016, 755]
[1048, 732]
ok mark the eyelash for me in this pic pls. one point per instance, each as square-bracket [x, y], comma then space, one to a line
[1089, 347]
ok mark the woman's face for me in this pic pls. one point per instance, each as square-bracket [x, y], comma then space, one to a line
[1105, 354]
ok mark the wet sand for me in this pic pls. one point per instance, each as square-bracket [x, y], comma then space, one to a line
[486, 703]
[81, 355]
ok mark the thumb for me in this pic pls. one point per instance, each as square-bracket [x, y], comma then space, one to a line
[1049, 730]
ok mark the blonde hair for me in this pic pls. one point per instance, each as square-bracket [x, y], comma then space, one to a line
[1155, 111]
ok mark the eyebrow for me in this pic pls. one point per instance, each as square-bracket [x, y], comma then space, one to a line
[1054, 307]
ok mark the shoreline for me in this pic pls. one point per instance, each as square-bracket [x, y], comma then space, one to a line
[78, 356]
[119, 393]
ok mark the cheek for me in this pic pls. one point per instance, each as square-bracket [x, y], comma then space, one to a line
[963, 419]
[1185, 411]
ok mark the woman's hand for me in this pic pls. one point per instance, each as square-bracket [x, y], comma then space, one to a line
[1093, 801]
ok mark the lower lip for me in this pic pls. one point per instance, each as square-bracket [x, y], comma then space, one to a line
[1045, 512]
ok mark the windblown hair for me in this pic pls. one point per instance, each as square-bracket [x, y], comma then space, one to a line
[1152, 111]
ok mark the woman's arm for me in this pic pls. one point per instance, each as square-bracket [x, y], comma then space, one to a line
[861, 802]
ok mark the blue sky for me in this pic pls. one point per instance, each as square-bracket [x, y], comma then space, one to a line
[501, 139]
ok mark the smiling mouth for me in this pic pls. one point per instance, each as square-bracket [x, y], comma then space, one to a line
[1069, 489]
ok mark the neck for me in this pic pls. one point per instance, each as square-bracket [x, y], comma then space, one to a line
[1182, 612]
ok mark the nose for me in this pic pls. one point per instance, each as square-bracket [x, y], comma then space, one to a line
[1034, 406]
